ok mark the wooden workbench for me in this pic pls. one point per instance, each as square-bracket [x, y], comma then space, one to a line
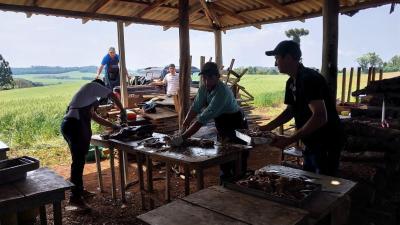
[41, 187]
[332, 201]
[218, 205]
[188, 157]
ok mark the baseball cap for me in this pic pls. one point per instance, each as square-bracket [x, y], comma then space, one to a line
[209, 69]
[286, 47]
[111, 49]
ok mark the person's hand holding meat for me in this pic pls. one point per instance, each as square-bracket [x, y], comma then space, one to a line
[176, 141]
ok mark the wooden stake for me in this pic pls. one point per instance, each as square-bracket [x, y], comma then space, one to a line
[358, 82]
[343, 86]
[350, 84]
[369, 75]
[122, 65]
[380, 74]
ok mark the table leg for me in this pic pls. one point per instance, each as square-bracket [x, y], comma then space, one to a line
[126, 163]
[186, 171]
[97, 156]
[43, 216]
[140, 177]
[57, 213]
[200, 178]
[238, 165]
[121, 173]
[112, 167]
[167, 181]
[149, 173]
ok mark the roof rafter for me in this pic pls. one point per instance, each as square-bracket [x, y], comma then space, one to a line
[210, 14]
[192, 10]
[149, 8]
[234, 14]
[279, 7]
[94, 7]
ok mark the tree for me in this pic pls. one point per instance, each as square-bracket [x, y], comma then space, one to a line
[6, 80]
[295, 34]
[370, 59]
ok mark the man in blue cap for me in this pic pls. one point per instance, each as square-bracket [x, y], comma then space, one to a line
[112, 72]
[310, 102]
[215, 101]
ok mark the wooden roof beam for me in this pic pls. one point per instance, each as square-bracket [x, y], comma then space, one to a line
[193, 9]
[94, 7]
[234, 15]
[210, 14]
[279, 7]
[149, 8]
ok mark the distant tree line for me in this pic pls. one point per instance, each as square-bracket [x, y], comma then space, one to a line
[52, 70]
[259, 70]
[372, 59]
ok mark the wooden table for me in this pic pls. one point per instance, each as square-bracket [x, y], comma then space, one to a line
[3, 150]
[98, 141]
[218, 205]
[188, 157]
[332, 201]
[41, 187]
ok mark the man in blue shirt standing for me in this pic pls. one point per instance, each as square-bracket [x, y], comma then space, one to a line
[215, 101]
[112, 72]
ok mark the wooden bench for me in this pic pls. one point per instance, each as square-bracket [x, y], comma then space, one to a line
[41, 187]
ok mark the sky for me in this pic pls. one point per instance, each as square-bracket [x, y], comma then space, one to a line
[58, 41]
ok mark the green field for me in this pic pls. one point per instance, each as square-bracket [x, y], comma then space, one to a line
[30, 118]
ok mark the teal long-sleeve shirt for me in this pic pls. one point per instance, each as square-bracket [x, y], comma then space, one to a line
[215, 103]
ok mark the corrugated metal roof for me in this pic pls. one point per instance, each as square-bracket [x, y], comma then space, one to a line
[226, 14]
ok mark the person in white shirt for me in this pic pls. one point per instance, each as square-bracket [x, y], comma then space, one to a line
[171, 81]
[76, 130]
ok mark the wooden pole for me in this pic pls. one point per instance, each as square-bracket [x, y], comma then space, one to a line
[329, 69]
[373, 73]
[358, 82]
[122, 65]
[218, 47]
[343, 86]
[184, 60]
[369, 75]
[350, 84]
[380, 74]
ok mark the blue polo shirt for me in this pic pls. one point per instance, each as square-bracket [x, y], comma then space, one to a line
[216, 102]
[107, 60]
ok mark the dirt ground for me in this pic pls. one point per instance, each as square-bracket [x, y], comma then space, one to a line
[105, 211]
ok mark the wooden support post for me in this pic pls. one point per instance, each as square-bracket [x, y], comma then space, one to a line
[343, 86]
[121, 173]
[139, 159]
[122, 65]
[369, 75]
[380, 74]
[184, 60]
[97, 156]
[350, 84]
[200, 178]
[373, 73]
[112, 167]
[43, 215]
[57, 213]
[358, 82]
[167, 181]
[149, 173]
[218, 48]
[329, 69]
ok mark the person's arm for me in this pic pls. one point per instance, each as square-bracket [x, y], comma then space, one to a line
[99, 71]
[122, 113]
[192, 130]
[318, 118]
[189, 118]
[98, 119]
[283, 118]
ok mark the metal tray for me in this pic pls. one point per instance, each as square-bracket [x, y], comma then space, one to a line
[15, 169]
[253, 140]
[280, 199]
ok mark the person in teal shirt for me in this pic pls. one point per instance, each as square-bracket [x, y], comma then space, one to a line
[215, 101]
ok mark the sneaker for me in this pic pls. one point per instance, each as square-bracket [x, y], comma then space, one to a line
[77, 204]
[87, 194]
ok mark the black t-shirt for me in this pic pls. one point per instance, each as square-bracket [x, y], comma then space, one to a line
[309, 86]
